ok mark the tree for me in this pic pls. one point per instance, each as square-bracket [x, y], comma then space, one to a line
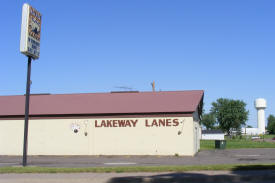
[271, 124]
[249, 126]
[230, 114]
[208, 120]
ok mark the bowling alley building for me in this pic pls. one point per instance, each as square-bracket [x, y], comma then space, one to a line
[116, 123]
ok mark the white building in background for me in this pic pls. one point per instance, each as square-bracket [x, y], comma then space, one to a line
[212, 135]
[250, 131]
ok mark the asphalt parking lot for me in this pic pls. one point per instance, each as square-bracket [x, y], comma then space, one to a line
[205, 157]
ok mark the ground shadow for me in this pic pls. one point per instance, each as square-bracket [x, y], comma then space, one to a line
[253, 167]
[250, 173]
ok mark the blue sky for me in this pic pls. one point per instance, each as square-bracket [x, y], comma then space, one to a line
[226, 48]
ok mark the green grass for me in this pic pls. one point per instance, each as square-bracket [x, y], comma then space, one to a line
[238, 144]
[135, 169]
[268, 136]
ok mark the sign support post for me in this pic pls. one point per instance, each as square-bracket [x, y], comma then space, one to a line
[27, 104]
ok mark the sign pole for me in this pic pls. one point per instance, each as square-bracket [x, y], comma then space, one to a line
[29, 46]
[27, 102]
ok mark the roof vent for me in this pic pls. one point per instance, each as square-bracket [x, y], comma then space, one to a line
[124, 91]
[39, 94]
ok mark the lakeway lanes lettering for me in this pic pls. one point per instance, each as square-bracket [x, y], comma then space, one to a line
[116, 123]
[165, 122]
[161, 122]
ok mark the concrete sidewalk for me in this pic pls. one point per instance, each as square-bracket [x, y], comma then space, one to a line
[266, 176]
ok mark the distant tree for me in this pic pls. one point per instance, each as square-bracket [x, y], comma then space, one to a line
[208, 120]
[249, 126]
[271, 124]
[230, 114]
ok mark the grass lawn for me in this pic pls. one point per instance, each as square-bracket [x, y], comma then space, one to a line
[136, 169]
[268, 136]
[240, 143]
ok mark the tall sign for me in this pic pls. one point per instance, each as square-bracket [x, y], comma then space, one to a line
[30, 32]
[29, 46]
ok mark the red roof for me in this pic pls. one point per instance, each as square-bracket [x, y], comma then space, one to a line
[103, 103]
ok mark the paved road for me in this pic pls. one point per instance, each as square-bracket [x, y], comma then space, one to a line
[266, 176]
[237, 156]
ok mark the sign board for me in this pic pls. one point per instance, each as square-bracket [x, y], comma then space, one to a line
[30, 32]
